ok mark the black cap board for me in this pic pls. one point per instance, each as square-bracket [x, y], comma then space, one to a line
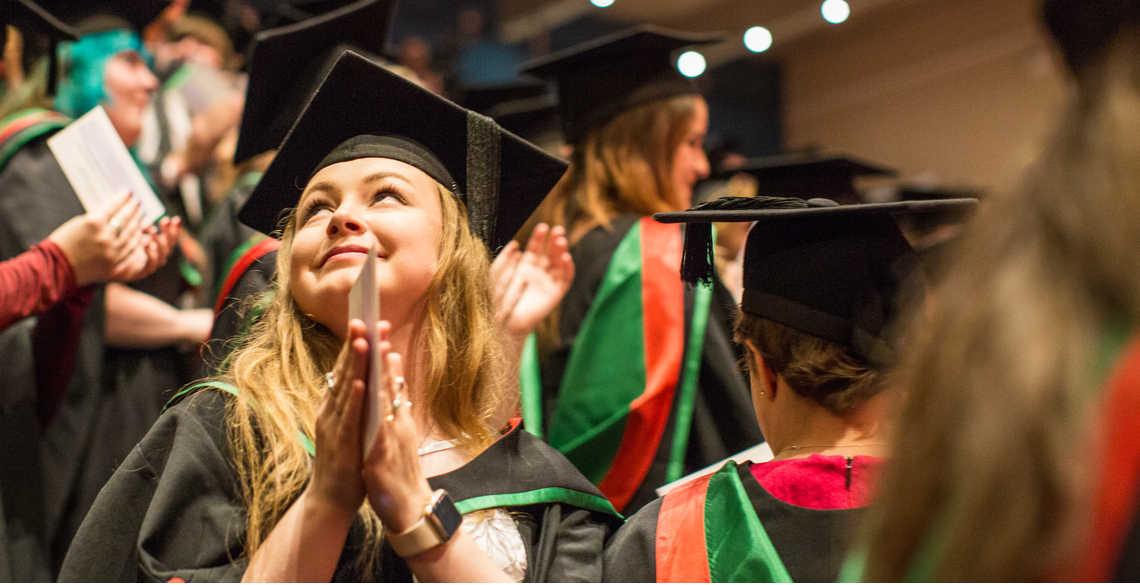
[287, 63]
[483, 97]
[602, 78]
[500, 177]
[90, 16]
[808, 175]
[33, 18]
[829, 270]
[526, 107]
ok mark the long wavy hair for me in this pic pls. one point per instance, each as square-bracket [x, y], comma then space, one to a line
[280, 373]
[622, 166]
[988, 474]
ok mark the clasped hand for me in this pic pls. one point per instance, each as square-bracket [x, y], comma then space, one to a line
[389, 474]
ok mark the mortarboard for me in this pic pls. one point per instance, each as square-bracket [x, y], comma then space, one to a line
[31, 17]
[287, 62]
[362, 110]
[808, 175]
[833, 271]
[602, 78]
[525, 107]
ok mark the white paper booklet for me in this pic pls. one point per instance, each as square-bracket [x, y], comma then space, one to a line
[99, 167]
[364, 304]
[757, 454]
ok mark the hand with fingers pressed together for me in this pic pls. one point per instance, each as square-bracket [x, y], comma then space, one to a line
[397, 488]
[336, 478]
[527, 285]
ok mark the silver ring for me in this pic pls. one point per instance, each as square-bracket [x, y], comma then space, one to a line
[400, 384]
[396, 405]
[330, 379]
[115, 226]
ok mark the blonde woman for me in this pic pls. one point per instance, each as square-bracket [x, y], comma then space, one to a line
[638, 383]
[266, 477]
[1016, 456]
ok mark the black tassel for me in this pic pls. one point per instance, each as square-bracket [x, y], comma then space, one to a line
[697, 258]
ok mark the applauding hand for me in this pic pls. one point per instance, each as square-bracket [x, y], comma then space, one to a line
[527, 285]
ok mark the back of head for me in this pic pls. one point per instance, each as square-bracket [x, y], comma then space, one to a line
[822, 370]
[1001, 380]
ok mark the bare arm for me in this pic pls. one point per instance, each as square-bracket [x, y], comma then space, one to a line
[138, 320]
[304, 546]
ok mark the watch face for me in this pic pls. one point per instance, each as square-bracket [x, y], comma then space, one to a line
[447, 516]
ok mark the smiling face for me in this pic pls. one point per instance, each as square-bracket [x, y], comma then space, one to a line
[689, 161]
[345, 208]
[129, 84]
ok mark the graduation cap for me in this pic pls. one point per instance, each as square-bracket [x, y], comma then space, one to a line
[363, 110]
[525, 107]
[602, 78]
[832, 271]
[33, 18]
[99, 15]
[808, 175]
[287, 63]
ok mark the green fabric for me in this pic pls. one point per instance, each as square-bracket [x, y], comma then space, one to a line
[606, 368]
[17, 141]
[1117, 334]
[82, 62]
[178, 79]
[530, 386]
[539, 496]
[702, 295]
[738, 547]
[189, 273]
[302, 438]
[853, 566]
[238, 252]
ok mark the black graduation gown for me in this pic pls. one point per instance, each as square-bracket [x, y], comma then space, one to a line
[723, 421]
[173, 508]
[42, 469]
[812, 544]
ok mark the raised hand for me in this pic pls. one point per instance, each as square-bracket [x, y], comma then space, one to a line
[336, 477]
[95, 243]
[151, 252]
[397, 488]
[527, 285]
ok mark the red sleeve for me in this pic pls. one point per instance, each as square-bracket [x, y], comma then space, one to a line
[34, 281]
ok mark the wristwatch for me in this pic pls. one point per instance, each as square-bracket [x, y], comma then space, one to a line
[438, 524]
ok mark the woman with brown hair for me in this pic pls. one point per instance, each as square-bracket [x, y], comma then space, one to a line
[638, 383]
[1000, 459]
[305, 462]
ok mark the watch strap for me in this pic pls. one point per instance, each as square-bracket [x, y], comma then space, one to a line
[429, 531]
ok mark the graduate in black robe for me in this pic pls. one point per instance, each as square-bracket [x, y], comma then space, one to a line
[823, 286]
[181, 507]
[172, 510]
[637, 384]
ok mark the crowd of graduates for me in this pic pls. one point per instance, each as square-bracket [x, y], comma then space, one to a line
[598, 355]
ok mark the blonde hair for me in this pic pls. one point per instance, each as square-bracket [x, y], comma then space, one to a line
[823, 371]
[987, 478]
[280, 373]
[623, 166]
